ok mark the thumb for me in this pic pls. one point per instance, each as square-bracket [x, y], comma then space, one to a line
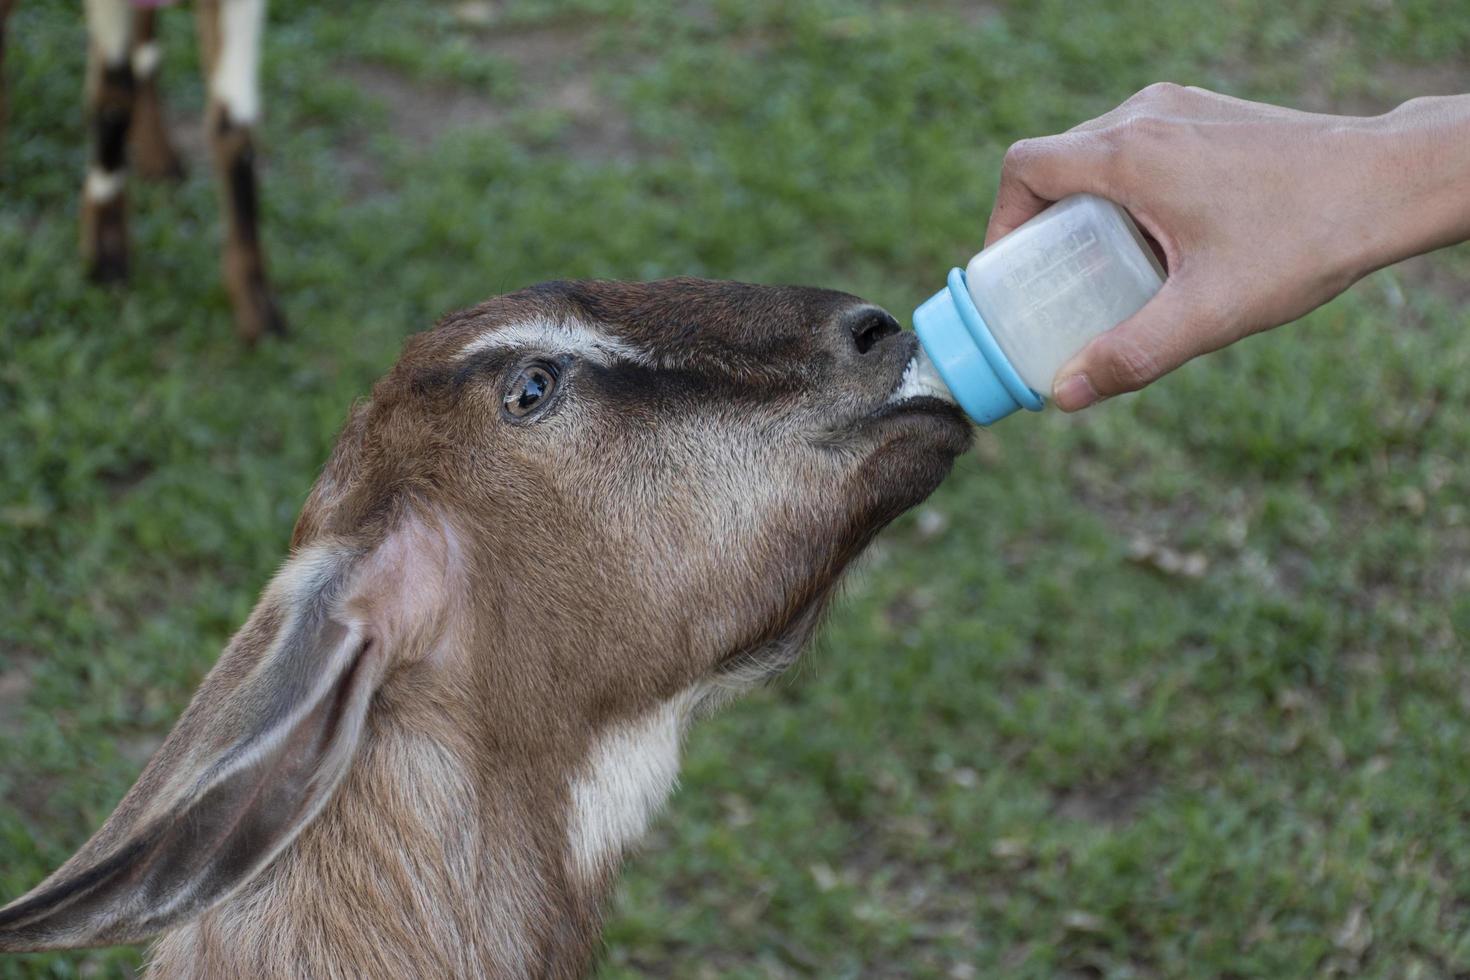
[1165, 333]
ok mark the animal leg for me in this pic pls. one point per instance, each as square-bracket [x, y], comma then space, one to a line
[110, 91]
[229, 35]
[154, 156]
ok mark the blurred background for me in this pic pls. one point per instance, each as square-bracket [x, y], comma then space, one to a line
[1178, 687]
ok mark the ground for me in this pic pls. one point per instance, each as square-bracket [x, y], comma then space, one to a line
[1175, 688]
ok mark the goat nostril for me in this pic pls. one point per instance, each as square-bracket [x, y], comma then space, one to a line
[870, 325]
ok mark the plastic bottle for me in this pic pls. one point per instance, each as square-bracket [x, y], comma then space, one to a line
[1022, 307]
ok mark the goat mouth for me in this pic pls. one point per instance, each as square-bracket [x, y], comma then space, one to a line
[920, 380]
[920, 390]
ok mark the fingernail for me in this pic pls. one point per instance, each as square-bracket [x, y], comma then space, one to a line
[1074, 393]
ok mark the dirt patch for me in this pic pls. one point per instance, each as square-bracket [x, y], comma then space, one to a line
[31, 795]
[541, 52]
[420, 113]
[562, 70]
[121, 479]
[1395, 82]
[1313, 82]
[25, 792]
[15, 687]
[558, 70]
[1435, 274]
[1110, 804]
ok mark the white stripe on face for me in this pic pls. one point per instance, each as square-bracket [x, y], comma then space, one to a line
[236, 81]
[566, 337]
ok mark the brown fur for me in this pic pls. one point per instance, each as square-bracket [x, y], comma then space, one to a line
[232, 145]
[153, 153]
[111, 93]
[105, 238]
[507, 593]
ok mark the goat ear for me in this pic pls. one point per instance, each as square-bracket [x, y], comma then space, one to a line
[256, 755]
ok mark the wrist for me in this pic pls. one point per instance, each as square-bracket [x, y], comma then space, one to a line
[1416, 180]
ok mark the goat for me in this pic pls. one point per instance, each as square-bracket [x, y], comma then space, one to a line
[567, 522]
[125, 114]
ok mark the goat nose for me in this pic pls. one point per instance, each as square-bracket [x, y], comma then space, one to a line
[867, 325]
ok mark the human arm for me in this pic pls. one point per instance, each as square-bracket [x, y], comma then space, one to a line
[1262, 213]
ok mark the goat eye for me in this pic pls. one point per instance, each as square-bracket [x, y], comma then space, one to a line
[532, 388]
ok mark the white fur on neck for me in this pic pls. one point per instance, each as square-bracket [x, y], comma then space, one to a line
[628, 776]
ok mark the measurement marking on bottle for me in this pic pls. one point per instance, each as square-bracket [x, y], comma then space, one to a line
[1073, 245]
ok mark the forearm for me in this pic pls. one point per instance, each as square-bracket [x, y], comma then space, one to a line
[1422, 202]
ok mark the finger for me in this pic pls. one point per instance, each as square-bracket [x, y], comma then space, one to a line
[1015, 204]
[1037, 172]
[1168, 331]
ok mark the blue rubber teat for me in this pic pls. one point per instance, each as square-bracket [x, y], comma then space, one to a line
[969, 360]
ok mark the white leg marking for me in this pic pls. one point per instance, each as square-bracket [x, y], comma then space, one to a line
[145, 59]
[628, 776]
[110, 22]
[103, 185]
[236, 81]
[567, 337]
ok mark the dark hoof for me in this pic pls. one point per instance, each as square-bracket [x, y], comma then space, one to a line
[259, 316]
[105, 240]
[275, 321]
[108, 266]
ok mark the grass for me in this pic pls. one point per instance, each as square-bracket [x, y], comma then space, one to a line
[1023, 747]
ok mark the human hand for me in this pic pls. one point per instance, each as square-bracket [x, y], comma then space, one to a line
[1261, 213]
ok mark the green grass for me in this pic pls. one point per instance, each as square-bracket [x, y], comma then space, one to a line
[1019, 749]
